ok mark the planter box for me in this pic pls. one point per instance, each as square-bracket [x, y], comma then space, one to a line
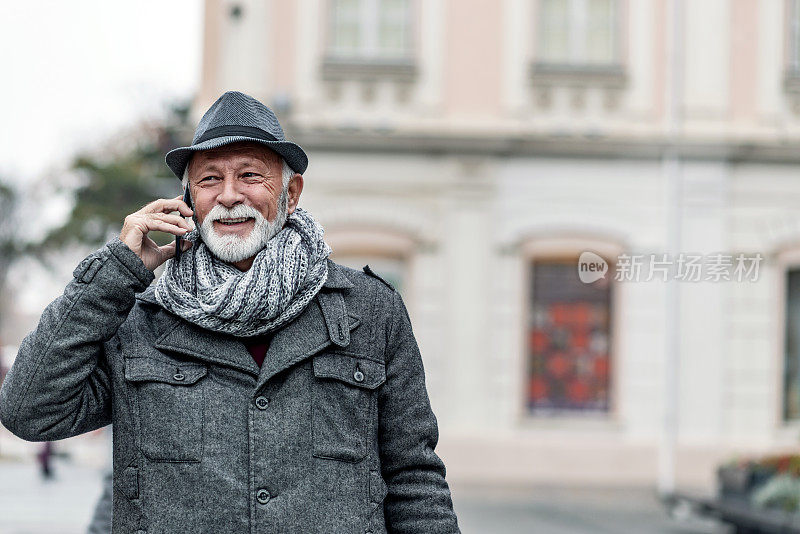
[736, 483]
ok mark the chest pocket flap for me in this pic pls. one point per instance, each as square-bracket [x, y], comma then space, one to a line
[152, 370]
[169, 400]
[359, 372]
[344, 404]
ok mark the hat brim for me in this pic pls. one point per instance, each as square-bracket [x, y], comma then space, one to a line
[295, 157]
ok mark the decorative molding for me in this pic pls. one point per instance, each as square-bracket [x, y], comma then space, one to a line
[370, 239]
[336, 69]
[546, 77]
[542, 145]
[404, 220]
[780, 233]
[562, 236]
[554, 74]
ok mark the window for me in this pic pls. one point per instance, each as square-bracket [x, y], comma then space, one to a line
[578, 32]
[370, 29]
[387, 252]
[791, 368]
[791, 80]
[391, 269]
[568, 340]
[794, 36]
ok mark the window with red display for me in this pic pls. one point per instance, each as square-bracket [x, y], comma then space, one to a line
[569, 326]
[791, 367]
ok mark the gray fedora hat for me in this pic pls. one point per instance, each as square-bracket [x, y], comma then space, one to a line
[238, 117]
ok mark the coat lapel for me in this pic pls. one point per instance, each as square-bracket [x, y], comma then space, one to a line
[186, 338]
[325, 321]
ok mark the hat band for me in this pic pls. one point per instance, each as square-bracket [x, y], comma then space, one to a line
[225, 131]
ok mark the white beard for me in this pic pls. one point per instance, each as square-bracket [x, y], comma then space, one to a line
[232, 248]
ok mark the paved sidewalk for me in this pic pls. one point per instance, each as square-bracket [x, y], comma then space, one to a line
[64, 505]
[569, 511]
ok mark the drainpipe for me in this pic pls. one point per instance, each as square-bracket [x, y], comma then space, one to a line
[672, 173]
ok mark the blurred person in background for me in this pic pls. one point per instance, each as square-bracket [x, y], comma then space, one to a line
[257, 386]
[44, 457]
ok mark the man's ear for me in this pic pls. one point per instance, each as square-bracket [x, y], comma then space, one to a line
[295, 188]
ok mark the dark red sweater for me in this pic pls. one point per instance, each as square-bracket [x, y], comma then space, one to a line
[257, 347]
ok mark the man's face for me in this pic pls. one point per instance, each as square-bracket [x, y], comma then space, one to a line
[237, 194]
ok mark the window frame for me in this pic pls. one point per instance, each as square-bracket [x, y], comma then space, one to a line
[369, 19]
[536, 248]
[336, 68]
[578, 47]
[788, 258]
[785, 356]
[611, 75]
[793, 36]
[383, 243]
[791, 76]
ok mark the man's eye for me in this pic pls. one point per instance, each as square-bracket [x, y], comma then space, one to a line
[208, 178]
[249, 174]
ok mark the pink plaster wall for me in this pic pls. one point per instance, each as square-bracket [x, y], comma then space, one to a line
[743, 58]
[473, 57]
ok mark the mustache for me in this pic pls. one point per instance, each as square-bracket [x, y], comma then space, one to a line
[220, 212]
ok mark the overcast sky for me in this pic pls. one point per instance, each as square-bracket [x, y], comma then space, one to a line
[74, 72]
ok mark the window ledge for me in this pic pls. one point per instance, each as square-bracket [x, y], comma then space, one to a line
[598, 422]
[340, 69]
[611, 76]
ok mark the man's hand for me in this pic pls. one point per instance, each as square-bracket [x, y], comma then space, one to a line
[156, 216]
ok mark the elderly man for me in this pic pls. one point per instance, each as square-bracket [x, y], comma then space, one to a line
[257, 386]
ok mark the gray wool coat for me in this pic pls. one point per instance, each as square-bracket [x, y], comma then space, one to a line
[333, 434]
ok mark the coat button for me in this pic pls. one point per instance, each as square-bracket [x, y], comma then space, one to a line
[358, 376]
[262, 496]
[262, 402]
[179, 376]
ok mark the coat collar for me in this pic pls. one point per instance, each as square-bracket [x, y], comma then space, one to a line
[325, 321]
[336, 277]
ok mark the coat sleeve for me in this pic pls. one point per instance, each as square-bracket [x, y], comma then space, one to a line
[59, 385]
[418, 498]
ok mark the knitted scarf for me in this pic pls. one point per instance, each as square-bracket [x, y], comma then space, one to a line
[284, 277]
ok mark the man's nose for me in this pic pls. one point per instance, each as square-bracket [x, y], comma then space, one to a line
[230, 194]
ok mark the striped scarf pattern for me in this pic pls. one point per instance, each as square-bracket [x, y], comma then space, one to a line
[284, 278]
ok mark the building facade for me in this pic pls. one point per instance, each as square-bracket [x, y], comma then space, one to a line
[471, 150]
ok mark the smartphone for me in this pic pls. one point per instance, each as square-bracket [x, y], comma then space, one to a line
[178, 239]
